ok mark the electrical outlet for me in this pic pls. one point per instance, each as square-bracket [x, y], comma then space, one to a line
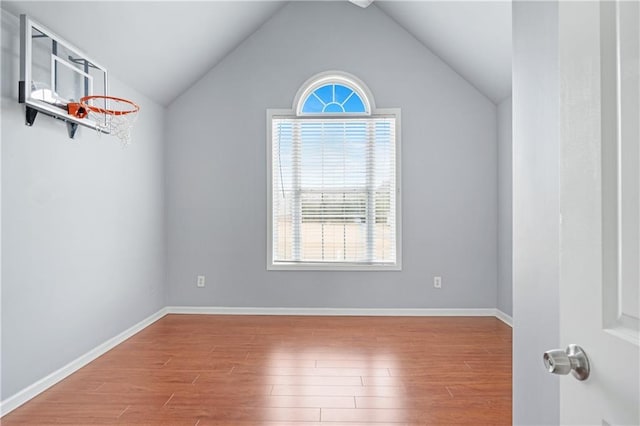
[200, 281]
[437, 282]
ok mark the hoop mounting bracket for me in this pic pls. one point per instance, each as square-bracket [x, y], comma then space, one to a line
[72, 128]
[30, 115]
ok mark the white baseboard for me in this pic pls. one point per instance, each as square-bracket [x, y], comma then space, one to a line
[41, 385]
[504, 318]
[399, 312]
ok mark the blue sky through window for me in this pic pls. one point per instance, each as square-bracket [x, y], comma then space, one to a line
[333, 99]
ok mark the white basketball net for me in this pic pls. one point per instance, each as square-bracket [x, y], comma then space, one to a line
[113, 116]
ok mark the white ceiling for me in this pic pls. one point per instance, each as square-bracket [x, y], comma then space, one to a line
[182, 40]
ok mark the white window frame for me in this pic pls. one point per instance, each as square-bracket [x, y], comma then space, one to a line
[293, 113]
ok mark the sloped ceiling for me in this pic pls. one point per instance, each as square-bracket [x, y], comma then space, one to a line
[158, 48]
[473, 37]
[161, 48]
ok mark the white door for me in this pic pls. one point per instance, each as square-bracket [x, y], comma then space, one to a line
[600, 208]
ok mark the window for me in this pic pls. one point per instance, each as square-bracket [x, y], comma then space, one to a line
[333, 98]
[334, 180]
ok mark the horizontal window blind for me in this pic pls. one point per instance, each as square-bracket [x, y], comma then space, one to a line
[334, 190]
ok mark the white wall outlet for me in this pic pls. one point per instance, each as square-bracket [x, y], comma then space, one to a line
[200, 281]
[437, 282]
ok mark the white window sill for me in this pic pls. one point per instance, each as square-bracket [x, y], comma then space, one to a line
[310, 266]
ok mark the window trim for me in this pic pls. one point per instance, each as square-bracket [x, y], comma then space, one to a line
[329, 266]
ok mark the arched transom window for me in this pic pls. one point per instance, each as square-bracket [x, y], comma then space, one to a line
[334, 94]
[334, 198]
[333, 99]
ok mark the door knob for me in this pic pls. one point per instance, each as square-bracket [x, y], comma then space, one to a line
[572, 360]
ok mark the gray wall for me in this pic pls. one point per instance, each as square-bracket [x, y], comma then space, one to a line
[216, 169]
[82, 231]
[505, 211]
[536, 91]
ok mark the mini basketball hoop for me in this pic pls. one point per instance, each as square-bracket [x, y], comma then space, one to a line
[115, 116]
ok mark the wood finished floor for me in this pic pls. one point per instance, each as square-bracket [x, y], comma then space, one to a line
[286, 370]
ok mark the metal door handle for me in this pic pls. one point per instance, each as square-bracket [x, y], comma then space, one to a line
[572, 360]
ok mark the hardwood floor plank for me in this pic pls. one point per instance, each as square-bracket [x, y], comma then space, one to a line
[140, 361]
[358, 363]
[339, 390]
[455, 372]
[133, 377]
[292, 371]
[381, 402]
[151, 399]
[424, 388]
[263, 363]
[57, 412]
[236, 414]
[309, 401]
[281, 380]
[382, 381]
[324, 353]
[237, 390]
[377, 415]
[502, 390]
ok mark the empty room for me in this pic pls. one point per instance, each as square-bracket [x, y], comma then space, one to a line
[320, 212]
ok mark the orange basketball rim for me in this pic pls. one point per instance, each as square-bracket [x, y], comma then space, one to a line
[112, 115]
[120, 106]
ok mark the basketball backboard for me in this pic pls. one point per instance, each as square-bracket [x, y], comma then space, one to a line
[54, 73]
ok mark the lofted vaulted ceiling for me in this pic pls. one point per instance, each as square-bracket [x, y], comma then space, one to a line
[161, 48]
[472, 37]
